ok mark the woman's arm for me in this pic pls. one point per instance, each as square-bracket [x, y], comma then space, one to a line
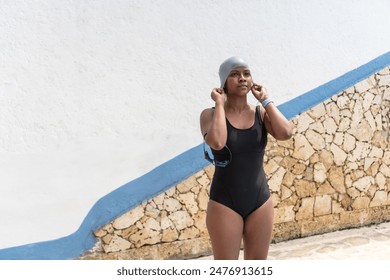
[275, 122]
[213, 121]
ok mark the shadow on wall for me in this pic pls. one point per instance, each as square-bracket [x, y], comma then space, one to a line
[162, 178]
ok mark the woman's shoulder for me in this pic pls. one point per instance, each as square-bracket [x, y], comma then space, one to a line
[259, 110]
[207, 114]
[208, 111]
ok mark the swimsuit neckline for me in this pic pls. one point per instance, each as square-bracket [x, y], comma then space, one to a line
[244, 129]
[241, 129]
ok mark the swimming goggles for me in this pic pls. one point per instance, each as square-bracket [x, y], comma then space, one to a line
[216, 162]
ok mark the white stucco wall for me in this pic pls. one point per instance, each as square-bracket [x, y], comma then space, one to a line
[96, 93]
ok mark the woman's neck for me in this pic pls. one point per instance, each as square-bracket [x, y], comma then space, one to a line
[236, 104]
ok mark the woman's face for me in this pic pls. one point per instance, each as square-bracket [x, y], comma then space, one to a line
[239, 80]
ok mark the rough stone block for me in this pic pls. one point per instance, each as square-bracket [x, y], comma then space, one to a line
[363, 86]
[116, 244]
[304, 120]
[172, 205]
[210, 171]
[181, 219]
[288, 179]
[386, 158]
[203, 199]
[200, 222]
[380, 180]
[299, 168]
[204, 181]
[361, 203]
[319, 225]
[330, 126]
[353, 218]
[285, 192]
[152, 224]
[319, 172]
[325, 188]
[286, 162]
[302, 150]
[384, 80]
[336, 207]
[189, 233]
[362, 184]
[336, 179]
[315, 139]
[271, 166]
[326, 157]
[346, 201]
[380, 198]
[145, 236]
[317, 111]
[188, 200]
[285, 231]
[169, 235]
[100, 232]
[385, 170]
[284, 214]
[339, 155]
[306, 210]
[276, 180]
[305, 188]
[129, 218]
[333, 111]
[322, 205]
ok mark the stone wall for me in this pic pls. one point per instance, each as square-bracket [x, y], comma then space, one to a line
[333, 174]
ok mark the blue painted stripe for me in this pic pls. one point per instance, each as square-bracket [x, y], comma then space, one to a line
[110, 207]
[162, 178]
[313, 97]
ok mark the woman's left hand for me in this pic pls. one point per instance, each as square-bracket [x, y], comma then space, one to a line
[259, 92]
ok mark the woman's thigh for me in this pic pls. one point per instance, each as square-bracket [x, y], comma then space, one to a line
[225, 228]
[258, 231]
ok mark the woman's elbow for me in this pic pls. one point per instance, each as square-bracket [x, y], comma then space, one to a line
[217, 146]
[284, 134]
[287, 135]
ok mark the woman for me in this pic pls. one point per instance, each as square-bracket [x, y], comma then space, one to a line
[240, 207]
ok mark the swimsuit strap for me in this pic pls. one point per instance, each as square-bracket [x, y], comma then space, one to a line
[258, 115]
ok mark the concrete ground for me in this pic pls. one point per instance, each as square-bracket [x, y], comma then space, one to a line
[369, 243]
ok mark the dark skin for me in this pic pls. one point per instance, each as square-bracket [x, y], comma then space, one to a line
[225, 226]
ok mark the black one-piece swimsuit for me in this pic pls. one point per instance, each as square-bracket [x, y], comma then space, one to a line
[242, 184]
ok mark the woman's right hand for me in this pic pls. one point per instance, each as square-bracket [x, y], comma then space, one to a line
[218, 95]
[213, 121]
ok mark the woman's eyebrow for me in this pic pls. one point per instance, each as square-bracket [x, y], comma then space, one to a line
[238, 71]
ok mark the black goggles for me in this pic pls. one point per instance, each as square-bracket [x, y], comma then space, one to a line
[216, 162]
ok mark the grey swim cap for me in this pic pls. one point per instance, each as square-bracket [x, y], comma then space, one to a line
[228, 65]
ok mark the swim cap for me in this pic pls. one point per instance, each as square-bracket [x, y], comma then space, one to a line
[228, 65]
